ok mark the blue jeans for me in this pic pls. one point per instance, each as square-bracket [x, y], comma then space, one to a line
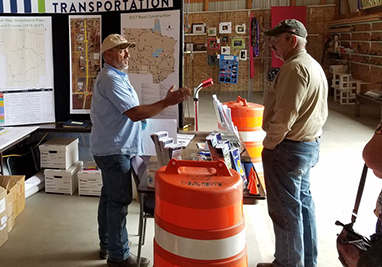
[116, 195]
[290, 203]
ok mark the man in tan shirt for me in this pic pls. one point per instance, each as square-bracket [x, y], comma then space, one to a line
[295, 111]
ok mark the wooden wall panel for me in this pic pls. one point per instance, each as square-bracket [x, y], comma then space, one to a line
[196, 67]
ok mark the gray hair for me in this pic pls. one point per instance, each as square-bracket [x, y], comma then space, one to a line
[301, 41]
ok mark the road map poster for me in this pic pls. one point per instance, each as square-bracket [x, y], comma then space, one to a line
[26, 71]
[85, 58]
[154, 62]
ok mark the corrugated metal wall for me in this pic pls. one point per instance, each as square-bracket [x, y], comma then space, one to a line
[256, 4]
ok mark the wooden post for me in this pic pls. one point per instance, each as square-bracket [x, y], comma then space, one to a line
[206, 4]
[322, 2]
[292, 3]
[338, 3]
[346, 8]
[249, 4]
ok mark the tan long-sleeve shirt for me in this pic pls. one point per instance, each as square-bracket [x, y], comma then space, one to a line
[296, 102]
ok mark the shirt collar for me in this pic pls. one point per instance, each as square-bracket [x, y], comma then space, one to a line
[114, 69]
[295, 54]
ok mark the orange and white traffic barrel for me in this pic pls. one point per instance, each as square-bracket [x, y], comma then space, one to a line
[248, 118]
[199, 217]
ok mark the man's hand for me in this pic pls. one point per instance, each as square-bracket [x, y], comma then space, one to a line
[174, 96]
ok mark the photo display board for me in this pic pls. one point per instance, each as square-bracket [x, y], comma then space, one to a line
[65, 39]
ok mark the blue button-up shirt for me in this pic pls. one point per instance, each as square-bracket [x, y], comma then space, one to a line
[113, 132]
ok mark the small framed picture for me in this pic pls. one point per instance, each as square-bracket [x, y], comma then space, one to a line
[213, 60]
[200, 47]
[225, 27]
[189, 47]
[198, 28]
[240, 29]
[238, 43]
[211, 31]
[225, 50]
[213, 44]
[243, 55]
[225, 39]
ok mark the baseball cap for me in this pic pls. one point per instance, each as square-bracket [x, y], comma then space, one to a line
[292, 26]
[114, 40]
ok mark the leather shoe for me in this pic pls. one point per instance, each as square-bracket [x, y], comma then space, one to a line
[131, 261]
[264, 265]
[104, 253]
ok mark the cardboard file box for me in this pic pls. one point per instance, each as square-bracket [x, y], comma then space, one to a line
[3, 216]
[89, 183]
[15, 199]
[62, 181]
[59, 153]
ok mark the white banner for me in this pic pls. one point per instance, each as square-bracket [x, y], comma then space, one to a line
[81, 6]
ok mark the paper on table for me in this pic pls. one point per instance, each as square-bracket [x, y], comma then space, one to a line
[157, 125]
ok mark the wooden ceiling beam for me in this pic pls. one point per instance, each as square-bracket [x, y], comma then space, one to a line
[249, 4]
[206, 5]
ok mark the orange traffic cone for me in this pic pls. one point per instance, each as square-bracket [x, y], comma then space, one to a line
[252, 186]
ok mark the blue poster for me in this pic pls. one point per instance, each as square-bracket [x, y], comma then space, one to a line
[229, 69]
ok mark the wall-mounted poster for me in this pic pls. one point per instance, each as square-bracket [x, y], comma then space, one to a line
[85, 58]
[155, 62]
[225, 27]
[229, 69]
[26, 71]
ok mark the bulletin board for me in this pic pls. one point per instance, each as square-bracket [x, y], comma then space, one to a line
[203, 62]
[59, 105]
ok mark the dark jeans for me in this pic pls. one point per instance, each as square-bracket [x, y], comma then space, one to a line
[116, 195]
[290, 203]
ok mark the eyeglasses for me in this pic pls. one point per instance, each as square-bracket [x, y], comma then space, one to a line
[275, 39]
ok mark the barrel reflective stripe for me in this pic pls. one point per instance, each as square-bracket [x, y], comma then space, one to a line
[200, 249]
[254, 136]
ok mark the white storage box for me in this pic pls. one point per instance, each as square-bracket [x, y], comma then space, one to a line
[59, 153]
[89, 183]
[62, 181]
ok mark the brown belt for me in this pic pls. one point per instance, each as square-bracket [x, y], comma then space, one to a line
[305, 140]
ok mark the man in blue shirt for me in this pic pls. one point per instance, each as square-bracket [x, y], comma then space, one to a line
[116, 135]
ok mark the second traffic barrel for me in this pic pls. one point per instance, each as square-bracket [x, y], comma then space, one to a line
[199, 215]
[248, 118]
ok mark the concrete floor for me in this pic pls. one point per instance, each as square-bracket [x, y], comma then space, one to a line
[60, 230]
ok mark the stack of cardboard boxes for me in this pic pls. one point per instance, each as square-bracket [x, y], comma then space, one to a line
[12, 202]
[65, 173]
[89, 180]
[60, 158]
